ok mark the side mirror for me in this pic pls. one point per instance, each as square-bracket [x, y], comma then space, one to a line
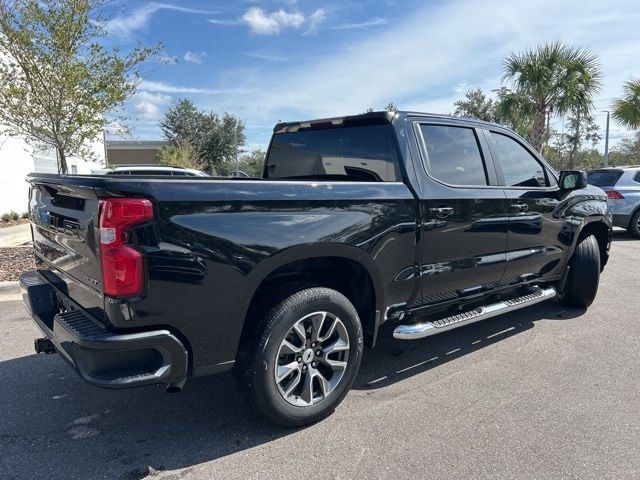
[573, 179]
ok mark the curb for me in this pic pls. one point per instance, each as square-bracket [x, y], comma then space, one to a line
[9, 287]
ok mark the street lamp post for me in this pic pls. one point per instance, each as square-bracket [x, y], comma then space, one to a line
[606, 141]
[237, 172]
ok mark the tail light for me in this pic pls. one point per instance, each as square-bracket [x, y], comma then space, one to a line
[615, 195]
[122, 265]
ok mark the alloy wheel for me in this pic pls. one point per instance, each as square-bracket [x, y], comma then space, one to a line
[312, 359]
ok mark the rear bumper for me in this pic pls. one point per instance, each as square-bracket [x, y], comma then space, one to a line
[100, 356]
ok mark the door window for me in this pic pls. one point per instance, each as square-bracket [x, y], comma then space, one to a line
[453, 155]
[519, 167]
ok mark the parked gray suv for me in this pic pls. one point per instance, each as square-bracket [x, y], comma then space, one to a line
[622, 185]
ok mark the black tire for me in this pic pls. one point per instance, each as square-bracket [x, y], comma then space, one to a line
[584, 274]
[258, 360]
[634, 225]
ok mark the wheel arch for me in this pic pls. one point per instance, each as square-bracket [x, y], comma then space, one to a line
[602, 231]
[357, 277]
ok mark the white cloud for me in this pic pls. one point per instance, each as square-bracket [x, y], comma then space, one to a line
[149, 105]
[421, 60]
[316, 19]
[126, 23]
[263, 23]
[168, 59]
[194, 57]
[162, 87]
[374, 22]
[270, 57]
[227, 22]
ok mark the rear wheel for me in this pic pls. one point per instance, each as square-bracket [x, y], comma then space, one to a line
[306, 359]
[584, 274]
[634, 225]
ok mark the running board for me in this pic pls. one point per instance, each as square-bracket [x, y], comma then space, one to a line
[424, 329]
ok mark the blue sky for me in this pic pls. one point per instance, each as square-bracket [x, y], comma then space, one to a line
[267, 61]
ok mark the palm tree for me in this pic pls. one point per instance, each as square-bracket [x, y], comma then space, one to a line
[627, 108]
[553, 78]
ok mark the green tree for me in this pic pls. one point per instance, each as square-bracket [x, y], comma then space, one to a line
[215, 138]
[504, 109]
[57, 81]
[551, 79]
[252, 163]
[626, 152]
[627, 109]
[182, 154]
[391, 107]
[476, 104]
[581, 128]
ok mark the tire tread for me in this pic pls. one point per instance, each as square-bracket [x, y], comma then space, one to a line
[582, 284]
[251, 360]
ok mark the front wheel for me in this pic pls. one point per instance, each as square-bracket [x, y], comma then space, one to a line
[307, 358]
[584, 274]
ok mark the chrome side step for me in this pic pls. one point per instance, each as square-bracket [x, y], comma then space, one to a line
[425, 329]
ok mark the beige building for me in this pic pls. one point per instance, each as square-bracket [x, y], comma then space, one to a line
[133, 152]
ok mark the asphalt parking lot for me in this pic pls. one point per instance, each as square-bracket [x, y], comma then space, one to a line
[545, 392]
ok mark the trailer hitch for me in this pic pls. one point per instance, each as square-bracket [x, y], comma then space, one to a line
[43, 345]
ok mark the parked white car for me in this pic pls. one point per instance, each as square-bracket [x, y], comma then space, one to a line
[150, 170]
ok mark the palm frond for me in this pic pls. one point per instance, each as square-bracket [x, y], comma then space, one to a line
[627, 109]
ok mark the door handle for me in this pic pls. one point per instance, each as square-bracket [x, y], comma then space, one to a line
[519, 207]
[441, 212]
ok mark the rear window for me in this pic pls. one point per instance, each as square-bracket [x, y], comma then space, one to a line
[604, 178]
[363, 154]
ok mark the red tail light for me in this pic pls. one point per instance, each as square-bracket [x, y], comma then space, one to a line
[615, 195]
[122, 265]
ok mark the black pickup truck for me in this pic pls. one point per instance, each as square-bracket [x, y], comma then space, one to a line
[430, 222]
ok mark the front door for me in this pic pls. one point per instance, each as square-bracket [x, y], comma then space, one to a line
[464, 215]
[534, 243]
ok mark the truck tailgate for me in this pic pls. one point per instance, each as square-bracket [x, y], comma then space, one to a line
[64, 220]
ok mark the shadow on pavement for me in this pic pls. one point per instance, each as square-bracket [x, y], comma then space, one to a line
[55, 426]
[395, 360]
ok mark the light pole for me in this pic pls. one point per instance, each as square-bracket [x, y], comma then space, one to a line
[237, 152]
[606, 141]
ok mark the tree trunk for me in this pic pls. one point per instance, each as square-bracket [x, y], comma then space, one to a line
[537, 135]
[575, 143]
[62, 161]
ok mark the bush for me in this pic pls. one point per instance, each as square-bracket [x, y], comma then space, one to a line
[183, 154]
[5, 217]
[25, 215]
[13, 215]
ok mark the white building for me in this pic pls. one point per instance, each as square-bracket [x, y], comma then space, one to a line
[17, 159]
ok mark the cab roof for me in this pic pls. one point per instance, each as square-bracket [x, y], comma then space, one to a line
[370, 118]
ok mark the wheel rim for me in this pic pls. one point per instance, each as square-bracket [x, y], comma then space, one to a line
[312, 359]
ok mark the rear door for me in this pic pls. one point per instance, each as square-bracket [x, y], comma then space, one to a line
[534, 242]
[464, 214]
